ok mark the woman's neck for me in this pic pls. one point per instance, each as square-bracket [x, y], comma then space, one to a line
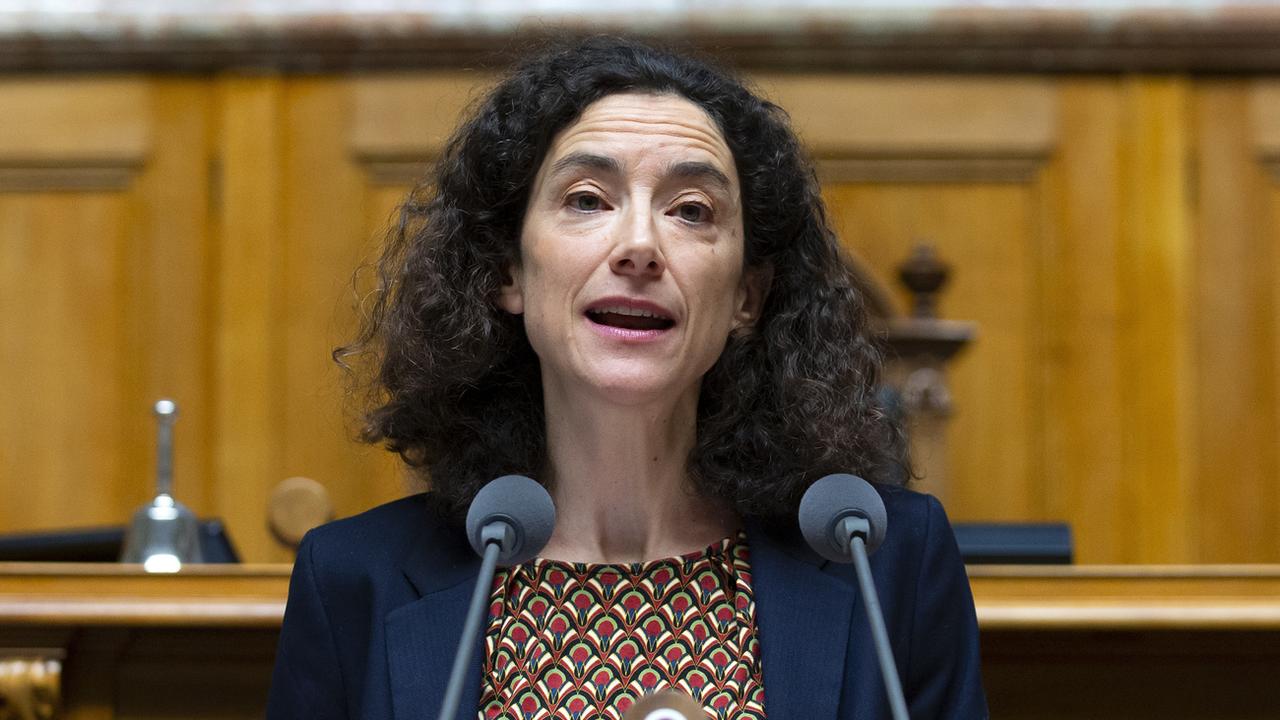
[620, 482]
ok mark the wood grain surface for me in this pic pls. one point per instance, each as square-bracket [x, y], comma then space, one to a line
[1112, 236]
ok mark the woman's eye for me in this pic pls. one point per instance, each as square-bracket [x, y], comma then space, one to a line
[693, 212]
[586, 202]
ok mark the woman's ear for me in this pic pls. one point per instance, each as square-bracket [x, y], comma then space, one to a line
[510, 295]
[752, 292]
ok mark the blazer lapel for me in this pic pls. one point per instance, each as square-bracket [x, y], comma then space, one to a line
[423, 636]
[804, 605]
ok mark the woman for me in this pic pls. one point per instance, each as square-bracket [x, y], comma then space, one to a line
[622, 283]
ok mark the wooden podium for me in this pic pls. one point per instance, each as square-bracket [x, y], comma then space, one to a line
[1134, 642]
[107, 641]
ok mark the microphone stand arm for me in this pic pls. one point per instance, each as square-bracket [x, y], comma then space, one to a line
[496, 536]
[857, 529]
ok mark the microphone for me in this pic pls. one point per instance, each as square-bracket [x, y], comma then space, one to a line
[515, 512]
[844, 520]
[509, 521]
[665, 705]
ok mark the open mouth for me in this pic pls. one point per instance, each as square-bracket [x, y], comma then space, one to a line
[629, 318]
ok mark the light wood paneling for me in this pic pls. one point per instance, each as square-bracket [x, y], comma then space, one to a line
[401, 116]
[1235, 385]
[871, 135]
[1273, 233]
[170, 281]
[918, 116]
[889, 129]
[76, 120]
[249, 377]
[1263, 109]
[1126, 341]
[1115, 239]
[1265, 127]
[1155, 349]
[101, 277]
[66, 357]
[327, 238]
[989, 227]
[1079, 318]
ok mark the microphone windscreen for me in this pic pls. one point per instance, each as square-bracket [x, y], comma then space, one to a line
[665, 705]
[523, 504]
[830, 500]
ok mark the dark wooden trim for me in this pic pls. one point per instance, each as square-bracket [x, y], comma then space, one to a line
[69, 177]
[1234, 44]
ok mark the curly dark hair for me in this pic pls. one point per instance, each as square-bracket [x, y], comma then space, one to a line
[454, 386]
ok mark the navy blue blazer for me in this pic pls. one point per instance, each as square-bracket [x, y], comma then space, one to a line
[377, 601]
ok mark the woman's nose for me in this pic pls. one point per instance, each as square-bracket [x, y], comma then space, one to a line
[637, 251]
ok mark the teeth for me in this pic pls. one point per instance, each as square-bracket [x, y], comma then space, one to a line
[620, 310]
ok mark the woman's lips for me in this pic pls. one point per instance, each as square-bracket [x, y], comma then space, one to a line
[629, 319]
[628, 334]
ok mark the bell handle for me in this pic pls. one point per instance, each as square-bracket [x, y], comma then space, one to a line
[166, 412]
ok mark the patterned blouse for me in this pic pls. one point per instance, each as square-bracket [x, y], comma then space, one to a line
[579, 641]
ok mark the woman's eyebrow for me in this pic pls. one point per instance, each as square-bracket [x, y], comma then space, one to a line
[587, 161]
[696, 170]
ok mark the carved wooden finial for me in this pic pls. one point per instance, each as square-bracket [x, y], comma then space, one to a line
[924, 275]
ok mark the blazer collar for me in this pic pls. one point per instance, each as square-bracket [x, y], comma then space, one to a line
[804, 606]
[440, 557]
[423, 635]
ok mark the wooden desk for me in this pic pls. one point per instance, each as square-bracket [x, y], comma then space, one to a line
[1078, 642]
[199, 644]
[1130, 642]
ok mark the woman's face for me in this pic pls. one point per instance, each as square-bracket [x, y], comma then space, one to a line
[631, 273]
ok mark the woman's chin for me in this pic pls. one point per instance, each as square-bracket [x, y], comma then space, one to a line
[636, 388]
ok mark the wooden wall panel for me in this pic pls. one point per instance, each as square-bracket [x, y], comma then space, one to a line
[99, 178]
[1079, 316]
[399, 116]
[1265, 128]
[170, 281]
[1115, 239]
[249, 343]
[1155, 349]
[66, 358]
[1272, 235]
[987, 228]
[325, 241]
[915, 116]
[1110, 321]
[291, 233]
[1237, 464]
[955, 165]
[77, 121]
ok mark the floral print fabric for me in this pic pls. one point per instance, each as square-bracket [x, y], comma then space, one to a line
[577, 641]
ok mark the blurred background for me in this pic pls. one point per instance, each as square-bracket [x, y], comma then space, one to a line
[186, 190]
